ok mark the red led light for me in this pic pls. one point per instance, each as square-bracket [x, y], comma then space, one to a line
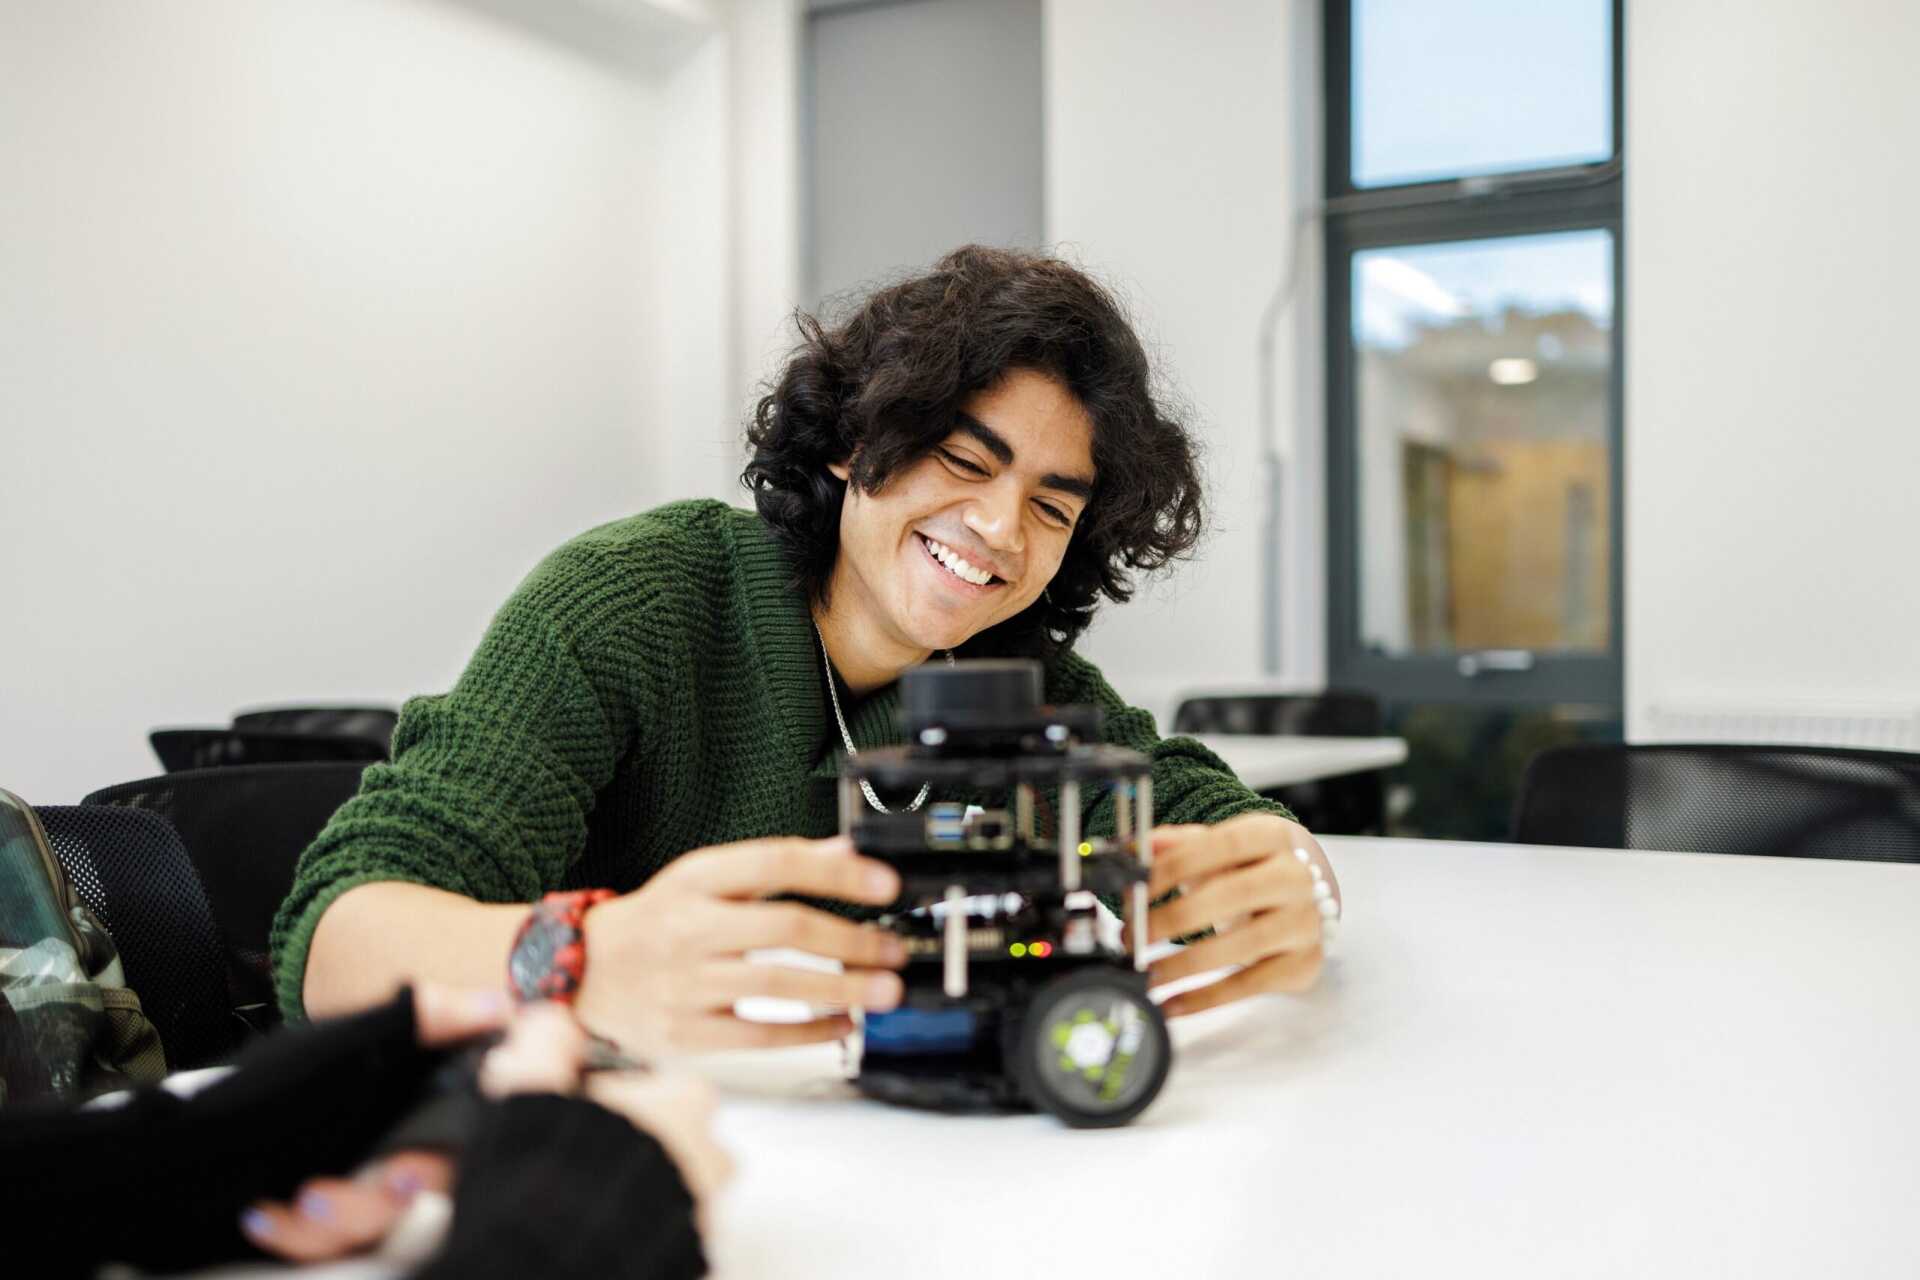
[1041, 949]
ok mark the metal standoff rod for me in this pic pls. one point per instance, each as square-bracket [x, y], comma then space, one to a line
[954, 972]
[1069, 835]
[1143, 853]
[849, 802]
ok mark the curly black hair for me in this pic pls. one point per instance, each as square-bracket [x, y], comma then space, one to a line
[881, 388]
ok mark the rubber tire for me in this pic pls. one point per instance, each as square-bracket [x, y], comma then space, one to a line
[1037, 1084]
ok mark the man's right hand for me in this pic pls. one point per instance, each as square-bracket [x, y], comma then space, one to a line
[666, 963]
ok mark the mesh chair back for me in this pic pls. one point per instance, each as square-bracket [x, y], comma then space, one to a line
[183, 749]
[244, 828]
[1809, 802]
[375, 724]
[132, 870]
[1336, 713]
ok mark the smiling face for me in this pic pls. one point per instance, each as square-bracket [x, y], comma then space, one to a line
[965, 537]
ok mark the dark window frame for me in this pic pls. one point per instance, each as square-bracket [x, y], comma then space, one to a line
[1580, 197]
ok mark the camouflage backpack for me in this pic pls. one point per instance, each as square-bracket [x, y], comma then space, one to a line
[70, 1027]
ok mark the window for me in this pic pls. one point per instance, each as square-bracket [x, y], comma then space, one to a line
[1456, 88]
[1473, 225]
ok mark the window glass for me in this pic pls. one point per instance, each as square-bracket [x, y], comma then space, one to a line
[1455, 88]
[1482, 393]
[1464, 763]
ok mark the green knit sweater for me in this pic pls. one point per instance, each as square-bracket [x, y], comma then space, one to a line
[653, 686]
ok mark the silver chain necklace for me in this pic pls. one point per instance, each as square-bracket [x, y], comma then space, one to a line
[866, 787]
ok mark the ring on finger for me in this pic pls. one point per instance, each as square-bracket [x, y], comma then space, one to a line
[1325, 903]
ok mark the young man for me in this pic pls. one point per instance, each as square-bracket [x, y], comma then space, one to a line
[964, 465]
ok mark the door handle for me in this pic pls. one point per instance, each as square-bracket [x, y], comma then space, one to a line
[1488, 661]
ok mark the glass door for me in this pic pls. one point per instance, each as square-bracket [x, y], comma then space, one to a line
[1474, 321]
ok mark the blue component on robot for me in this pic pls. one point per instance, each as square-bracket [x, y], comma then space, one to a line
[916, 1031]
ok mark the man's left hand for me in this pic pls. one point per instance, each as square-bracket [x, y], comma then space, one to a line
[1242, 879]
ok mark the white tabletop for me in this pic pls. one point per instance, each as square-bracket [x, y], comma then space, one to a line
[1272, 760]
[1524, 1062]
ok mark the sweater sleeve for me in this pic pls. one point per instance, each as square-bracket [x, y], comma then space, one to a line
[1190, 783]
[491, 784]
[561, 1187]
[159, 1181]
[548, 1186]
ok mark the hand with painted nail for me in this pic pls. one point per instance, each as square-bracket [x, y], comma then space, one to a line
[1256, 881]
[336, 1217]
[667, 962]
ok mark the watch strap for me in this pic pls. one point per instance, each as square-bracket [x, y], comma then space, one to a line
[549, 956]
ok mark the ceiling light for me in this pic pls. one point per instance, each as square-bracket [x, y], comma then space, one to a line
[1513, 371]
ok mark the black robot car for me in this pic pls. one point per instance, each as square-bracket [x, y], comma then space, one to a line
[1015, 996]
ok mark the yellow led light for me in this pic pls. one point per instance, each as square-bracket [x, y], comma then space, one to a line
[1085, 848]
[1017, 950]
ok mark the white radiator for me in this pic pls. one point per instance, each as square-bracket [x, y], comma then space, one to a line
[1882, 728]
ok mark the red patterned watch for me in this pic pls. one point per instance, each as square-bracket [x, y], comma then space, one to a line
[549, 956]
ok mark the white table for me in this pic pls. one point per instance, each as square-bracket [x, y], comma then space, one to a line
[1272, 760]
[1524, 1062]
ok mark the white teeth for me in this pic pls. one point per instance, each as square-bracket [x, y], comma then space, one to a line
[957, 564]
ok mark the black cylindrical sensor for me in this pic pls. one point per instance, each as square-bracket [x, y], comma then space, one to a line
[987, 692]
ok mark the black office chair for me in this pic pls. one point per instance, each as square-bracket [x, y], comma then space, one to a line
[183, 749]
[1809, 802]
[244, 828]
[375, 724]
[132, 870]
[1352, 804]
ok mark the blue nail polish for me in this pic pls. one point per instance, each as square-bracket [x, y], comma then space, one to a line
[316, 1206]
[256, 1223]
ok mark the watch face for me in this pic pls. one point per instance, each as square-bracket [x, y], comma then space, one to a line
[533, 964]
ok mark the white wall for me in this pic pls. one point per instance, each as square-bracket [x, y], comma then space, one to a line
[765, 41]
[1770, 310]
[320, 324]
[1175, 164]
[687, 330]
[1772, 313]
[722, 241]
[923, 134]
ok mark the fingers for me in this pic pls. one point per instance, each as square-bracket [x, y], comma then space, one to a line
[718, 985]
[753, 926]
[407, 1173]
[448, 1015]
[1283, 929]
[1291, 971]
[761, 868]
[330, 1218]
[1193, 852]
[1171, 835]
[543, 1053]
[1269, 883]
[718, 1031]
